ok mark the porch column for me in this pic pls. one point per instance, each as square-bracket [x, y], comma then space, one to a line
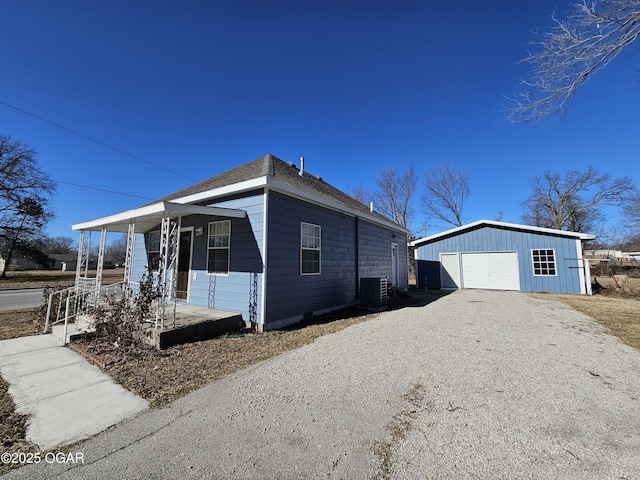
[168, 268]
[84, 247]
[175, 252]
[100, 265]
[128, 261]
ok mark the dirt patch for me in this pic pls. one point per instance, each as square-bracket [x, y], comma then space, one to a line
[398, 427]
[50, 278]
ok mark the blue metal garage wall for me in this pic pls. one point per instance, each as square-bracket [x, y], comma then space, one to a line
[491, 239]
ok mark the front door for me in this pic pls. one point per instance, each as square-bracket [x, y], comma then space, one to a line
[184, 265]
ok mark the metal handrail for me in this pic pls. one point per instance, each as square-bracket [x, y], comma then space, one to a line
[78, 299]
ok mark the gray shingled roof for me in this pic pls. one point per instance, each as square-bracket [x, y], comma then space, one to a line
[285, 172]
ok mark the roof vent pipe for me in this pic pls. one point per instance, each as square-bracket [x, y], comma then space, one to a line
[301, 172]
[371, 206]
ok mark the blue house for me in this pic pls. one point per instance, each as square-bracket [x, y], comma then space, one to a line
[266, 239]
[503, 256]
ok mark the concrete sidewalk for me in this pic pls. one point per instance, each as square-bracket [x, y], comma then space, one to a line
[67, 397]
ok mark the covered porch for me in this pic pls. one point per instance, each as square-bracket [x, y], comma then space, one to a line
[171, 311]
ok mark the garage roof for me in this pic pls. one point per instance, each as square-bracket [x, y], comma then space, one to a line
[502, 225]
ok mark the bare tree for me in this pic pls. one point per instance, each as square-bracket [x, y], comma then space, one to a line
[24, 200]
[446, 190]
[394, 194]
[20, 229]
[571, 202]
[571, 51]
[20, 176]
[117, 250]
[362, 194]
[57, 245]
[632, 211]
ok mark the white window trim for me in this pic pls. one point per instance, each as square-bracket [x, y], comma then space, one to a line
[228, 247]
[149, 251]
[319, 249]
[555, 263]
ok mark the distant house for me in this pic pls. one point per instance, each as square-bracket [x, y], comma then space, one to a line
[21, 263]
[69, 262]
[266, 239]
[504, 256]
[617, 257]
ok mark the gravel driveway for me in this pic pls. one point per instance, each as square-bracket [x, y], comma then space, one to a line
[477, 384]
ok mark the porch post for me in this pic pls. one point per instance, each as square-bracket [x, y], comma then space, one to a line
[165, 228]
[84, 247]
[100, 265]
[128, 261]
[175, 252]
[168, 268]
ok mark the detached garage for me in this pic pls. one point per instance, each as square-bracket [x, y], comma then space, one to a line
[503, 256]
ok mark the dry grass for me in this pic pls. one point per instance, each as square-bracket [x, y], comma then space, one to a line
[12, 428]
[618, 311]
[44, 278]
[609, 284]
[19, 323]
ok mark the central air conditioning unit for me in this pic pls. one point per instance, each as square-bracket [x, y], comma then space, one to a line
[374, 292]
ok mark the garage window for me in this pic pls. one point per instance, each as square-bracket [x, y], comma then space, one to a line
[544, 262]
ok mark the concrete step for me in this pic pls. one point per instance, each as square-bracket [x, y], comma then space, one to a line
[58, 332]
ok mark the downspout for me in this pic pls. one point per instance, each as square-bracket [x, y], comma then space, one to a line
[357, 255]
[585, 271]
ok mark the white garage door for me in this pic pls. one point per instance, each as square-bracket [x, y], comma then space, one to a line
[491, 270]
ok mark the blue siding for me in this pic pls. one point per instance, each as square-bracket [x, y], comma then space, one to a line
[488, 239]
[375, 252]
[139, 258]
[241, 289]
[290, 294]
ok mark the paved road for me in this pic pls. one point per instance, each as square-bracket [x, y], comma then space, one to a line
[20, 299]
[473, 385]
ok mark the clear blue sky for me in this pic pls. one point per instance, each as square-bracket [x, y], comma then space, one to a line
[355, 87]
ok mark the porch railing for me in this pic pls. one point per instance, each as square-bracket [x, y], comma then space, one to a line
[65, 305]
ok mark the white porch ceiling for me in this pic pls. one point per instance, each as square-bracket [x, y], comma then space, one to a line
[147, 217]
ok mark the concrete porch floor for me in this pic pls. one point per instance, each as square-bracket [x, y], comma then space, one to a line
[192, 324]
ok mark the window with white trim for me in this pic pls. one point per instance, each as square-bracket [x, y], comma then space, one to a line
[153, 249]
[544, 262]
[310, 245]
[218, 247]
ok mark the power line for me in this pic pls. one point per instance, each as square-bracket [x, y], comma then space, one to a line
[116, 149]
[103, 190]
